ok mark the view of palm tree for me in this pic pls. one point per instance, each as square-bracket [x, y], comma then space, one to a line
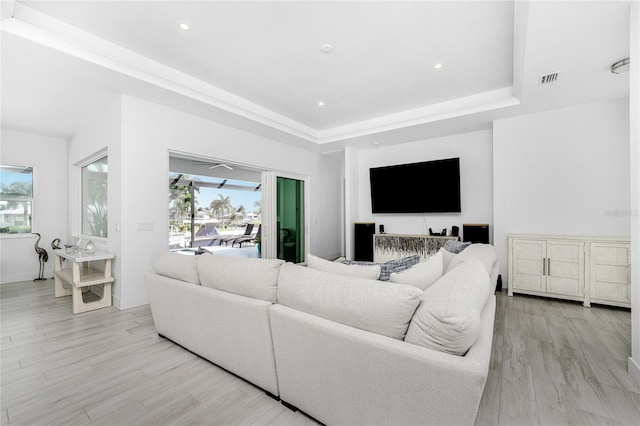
[202, 210]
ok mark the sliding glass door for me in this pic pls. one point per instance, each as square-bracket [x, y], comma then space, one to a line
[290, 235]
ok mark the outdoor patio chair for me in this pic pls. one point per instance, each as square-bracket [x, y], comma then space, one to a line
[247, 232]
[208, 235]
[249, 239]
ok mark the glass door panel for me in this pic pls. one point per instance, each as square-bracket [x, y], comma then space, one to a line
[290, 219]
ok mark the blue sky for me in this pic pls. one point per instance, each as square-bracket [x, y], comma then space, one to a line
[238, 197]
[7, 178]
[245, 198]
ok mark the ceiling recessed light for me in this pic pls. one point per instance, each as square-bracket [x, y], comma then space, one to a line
[320, 104]
[437, 66]
[184, 26]
[326, 48]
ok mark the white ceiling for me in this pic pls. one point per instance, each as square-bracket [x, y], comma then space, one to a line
[258, 65]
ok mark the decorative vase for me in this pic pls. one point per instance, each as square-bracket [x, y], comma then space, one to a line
[89, 247]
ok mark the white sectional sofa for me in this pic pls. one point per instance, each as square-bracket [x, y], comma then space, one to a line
[345, 350]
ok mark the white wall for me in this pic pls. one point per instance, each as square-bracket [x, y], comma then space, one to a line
[474, 150]
[102, 131]
[48, 156]
[562, 172]
[149, 131]
[634, 96]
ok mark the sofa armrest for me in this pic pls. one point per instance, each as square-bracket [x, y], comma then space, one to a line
[343, 375]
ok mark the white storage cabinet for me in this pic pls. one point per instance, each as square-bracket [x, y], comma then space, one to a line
[587, 269]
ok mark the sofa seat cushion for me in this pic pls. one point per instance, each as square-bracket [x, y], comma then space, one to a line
[486, 253]
[370, 271]
[391, 266]
[178, 266]
[448, 318]
[257, 278]
[422, 275]
[375, 306]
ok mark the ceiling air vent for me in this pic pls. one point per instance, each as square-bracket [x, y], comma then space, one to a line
[549, 78]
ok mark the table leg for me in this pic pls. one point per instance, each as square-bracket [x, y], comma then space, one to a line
[58, 288]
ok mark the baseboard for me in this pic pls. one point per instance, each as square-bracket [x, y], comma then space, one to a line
[130, 302]
[289, 406]
[115, 300]
[634, 371]
[16, 278]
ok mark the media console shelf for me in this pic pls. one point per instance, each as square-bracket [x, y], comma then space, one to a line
[80, 275]
[396, 246]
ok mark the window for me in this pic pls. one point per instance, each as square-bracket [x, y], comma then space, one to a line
[94, 198]
[16, 199]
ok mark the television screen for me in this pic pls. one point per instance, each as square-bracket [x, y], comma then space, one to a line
[427, 187]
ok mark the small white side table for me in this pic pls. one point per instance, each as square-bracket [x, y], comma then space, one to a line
[80, 276]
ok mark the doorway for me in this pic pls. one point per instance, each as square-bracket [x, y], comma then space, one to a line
[214, 207]
[290, 214]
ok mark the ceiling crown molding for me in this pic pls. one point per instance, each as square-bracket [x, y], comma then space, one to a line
[480, 102]
[42, 29]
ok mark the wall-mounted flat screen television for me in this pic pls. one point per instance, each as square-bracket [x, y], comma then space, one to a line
[426, 187]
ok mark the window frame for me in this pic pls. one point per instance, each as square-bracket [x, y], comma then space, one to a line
[81, 165]
[32, 199]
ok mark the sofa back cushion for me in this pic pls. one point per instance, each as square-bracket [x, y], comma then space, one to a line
[486, 253]
[448, 318]
[447, 257]
[178, 266]
[422, 275]
[370, 271]
[375, 306]
[256, 278]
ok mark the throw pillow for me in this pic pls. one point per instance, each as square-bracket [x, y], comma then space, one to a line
[370, 271]
[456, 246]
[422, 275]
[388, 268]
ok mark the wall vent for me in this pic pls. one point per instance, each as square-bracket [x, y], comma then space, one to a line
[549, 78]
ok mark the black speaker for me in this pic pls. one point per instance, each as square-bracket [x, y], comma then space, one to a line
[382, 229]
[455, 231]
[475, 233]
[363, 241]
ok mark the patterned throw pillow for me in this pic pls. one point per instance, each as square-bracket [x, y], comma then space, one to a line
[388, 268]
[455, 246]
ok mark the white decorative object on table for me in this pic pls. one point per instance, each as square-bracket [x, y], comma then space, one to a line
[89, 247]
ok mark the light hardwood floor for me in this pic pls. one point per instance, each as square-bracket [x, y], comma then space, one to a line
[553, 363]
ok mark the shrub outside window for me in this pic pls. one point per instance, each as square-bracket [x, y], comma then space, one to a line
[16, 199]
[94, 198]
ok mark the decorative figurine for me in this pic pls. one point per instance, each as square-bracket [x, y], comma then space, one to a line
[43, 256]
[55, 244]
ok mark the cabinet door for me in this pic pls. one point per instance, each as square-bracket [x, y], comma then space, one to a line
[565, 267]
[528, 257]
[610, 272]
